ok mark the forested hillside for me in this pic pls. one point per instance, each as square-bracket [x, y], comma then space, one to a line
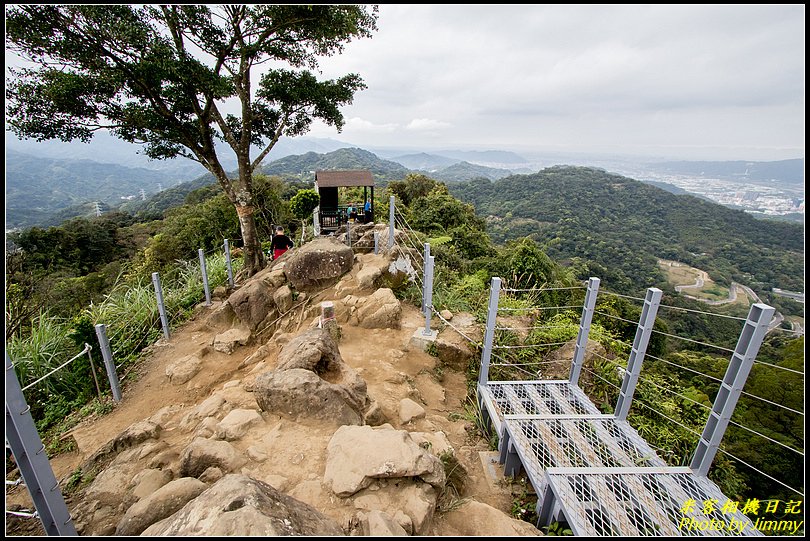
[615, 227]
[305, 165]
[36, 187]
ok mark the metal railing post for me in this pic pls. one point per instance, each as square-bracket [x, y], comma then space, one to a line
[751, 336]
[645, 326]
[584, 329]
[109, 365]
[489, 335]
[316, 224]
[227, 248]
[391, 222]
[164, 321]
[32, 461]
[349, 233]
[376, 242]
[424, 273]
[428, 296]
[204, 277]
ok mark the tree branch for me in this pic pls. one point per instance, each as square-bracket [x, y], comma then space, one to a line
[270, 145]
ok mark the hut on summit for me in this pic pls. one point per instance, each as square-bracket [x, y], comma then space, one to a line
[332, 211]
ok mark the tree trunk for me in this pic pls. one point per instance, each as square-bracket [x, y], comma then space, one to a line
[254, 257]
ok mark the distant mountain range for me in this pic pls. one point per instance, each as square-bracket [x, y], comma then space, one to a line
[51, 181]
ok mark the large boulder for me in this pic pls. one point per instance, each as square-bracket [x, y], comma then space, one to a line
[317, 351]
[311, 380]
[203, 453]
[357, 455]
[301, 393]
[380, 310]
[253, 302]
[159, 505]
[478, 519]
[240, 506]
[318, 264]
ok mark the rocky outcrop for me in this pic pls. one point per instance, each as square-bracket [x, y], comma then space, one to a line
[479, 519]
[229, 340]
[411, 503]
[453, 349]
[410, 410]
[253, 302]
[312, 380]
[380, 310]
[202, 454]
[240, 506]
[301, 393]
[318, 263]
[237, 423]
[357, 455]
[159, 505]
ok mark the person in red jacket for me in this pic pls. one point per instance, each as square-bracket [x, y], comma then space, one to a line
[281, 243]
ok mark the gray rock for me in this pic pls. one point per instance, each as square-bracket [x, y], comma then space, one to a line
[237, 423]
[148, 481]
[159, 505]
[479, 519]
[283, 298]
[301, 393]
[376, 523]
[411, 503]
[228, 341]
[356, 455]
[182, 370]
[410, 410]
[201, 454]
[381, 310]
[317, 351]
[318, 264]
[253, 302]
[240, 506]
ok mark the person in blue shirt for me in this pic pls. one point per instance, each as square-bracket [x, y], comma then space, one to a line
[367, 212]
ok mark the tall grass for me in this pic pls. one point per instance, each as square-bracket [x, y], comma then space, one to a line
[131, 316]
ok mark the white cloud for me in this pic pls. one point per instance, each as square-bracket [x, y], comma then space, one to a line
[426, 124]
[360, 125]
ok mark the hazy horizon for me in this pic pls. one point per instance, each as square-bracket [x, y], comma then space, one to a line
[688, 82]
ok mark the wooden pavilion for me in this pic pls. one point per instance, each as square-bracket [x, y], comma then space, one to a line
[332, 214]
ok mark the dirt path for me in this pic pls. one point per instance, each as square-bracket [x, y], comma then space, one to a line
[383, 358]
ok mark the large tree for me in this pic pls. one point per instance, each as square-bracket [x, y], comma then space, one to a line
[165, 76]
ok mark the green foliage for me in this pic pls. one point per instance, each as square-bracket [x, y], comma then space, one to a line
[414, 186]
[139, 79]
[439, 212]
[299, 166]
[616, 228]
[303, 203]
[558, 528]
[524, 503]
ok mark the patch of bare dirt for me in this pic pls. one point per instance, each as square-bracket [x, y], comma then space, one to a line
[294, 451]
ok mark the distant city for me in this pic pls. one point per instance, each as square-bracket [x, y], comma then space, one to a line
[775, 200]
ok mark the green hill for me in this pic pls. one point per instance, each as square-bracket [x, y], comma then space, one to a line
[465, 171]
[303, 166]
[614, 227]
[36, 186]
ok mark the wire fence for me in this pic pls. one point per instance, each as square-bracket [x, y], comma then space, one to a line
[130, 314]
[660, 396]
[517, 354]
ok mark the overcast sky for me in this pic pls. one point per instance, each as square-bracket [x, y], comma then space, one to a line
[702, 82]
